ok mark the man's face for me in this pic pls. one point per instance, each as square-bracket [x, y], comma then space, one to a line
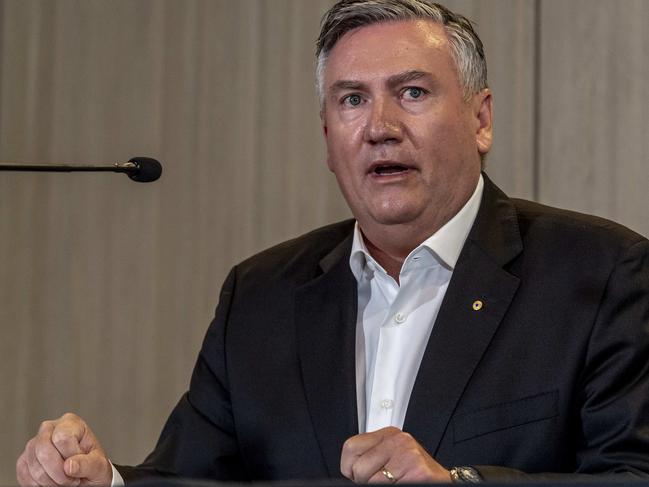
[404, 145]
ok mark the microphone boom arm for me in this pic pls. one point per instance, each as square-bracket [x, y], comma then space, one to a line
[122, 167]
[140, 169]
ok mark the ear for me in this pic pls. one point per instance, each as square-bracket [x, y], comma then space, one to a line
[325, 133]
[483, 110]
[328, 159]
[324, 122]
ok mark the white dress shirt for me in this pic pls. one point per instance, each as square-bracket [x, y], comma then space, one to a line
[395, 320]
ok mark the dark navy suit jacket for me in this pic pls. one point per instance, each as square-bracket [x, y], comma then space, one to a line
[551, 375]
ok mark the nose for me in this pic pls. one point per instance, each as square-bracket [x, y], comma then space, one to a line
[383, 123]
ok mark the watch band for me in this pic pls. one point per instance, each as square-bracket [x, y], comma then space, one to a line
[463, 475]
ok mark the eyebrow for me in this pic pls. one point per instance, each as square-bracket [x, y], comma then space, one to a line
[393, 81]
[407, 76]
[343, 84]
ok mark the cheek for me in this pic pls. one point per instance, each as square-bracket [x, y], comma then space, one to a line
[344, 124]
[335, 151]
[431, 140]
[451, 137]
[343, 141]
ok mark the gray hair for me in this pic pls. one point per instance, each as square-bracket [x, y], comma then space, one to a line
[346, 15]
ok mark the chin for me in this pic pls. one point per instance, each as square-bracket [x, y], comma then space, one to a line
[393, 216]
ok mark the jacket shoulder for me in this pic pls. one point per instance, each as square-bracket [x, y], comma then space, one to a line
[299, 256]
[561, 228]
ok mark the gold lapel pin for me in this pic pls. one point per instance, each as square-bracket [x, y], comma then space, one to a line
[477, 305]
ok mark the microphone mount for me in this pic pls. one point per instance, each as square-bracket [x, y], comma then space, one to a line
[140, 169]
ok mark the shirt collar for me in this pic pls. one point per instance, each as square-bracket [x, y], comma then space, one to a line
[445, 244]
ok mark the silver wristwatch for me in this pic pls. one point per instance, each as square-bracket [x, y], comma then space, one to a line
[461, 475]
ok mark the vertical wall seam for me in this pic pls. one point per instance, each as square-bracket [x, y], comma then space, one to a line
[2, 16]
[536, 90]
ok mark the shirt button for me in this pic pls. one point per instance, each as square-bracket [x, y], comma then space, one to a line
[400, 318]
[387, 404]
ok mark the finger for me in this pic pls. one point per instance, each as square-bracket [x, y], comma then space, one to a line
[93, 466]
[385, 475]
[363, 442]
[49, 459]
[34, 467]
[358, 445]
[89, 442]
[370, 463]
[22, 473]
[68, 434]
[410, 462]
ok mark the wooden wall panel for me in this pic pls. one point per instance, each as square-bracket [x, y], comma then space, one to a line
[507, 30]
[594, 124]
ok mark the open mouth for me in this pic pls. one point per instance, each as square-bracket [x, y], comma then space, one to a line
[388, 169]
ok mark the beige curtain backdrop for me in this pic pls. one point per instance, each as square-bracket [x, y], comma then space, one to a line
[108, 285]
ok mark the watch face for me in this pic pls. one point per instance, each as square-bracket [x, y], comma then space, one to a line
[468, 474]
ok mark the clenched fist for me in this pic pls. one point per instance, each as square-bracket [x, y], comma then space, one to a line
[389, 455]
[64, 452]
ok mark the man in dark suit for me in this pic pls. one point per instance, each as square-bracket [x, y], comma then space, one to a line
[449, 333]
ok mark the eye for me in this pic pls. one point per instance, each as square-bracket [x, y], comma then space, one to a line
[413, 92]
[352, 100]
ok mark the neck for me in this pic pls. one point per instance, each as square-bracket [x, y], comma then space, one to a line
[391, 262]
[390, 245]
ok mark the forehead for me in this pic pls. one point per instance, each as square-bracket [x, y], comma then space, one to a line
[385, 48]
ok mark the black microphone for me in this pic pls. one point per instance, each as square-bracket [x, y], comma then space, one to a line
[140, 169]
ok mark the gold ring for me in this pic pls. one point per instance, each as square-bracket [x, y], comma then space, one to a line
[388, 475]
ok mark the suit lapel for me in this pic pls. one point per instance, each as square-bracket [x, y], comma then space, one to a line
[326, 320]
[462, 333]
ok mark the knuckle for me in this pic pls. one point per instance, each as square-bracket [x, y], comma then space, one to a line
[61, 437]
[45, 425]
[403, 440]
[406, 436]
[70, 417]
[71, 420]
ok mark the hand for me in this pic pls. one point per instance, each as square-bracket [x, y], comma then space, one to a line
[366, 456]
[64, 452]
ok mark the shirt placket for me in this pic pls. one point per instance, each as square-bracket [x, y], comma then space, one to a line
[384, 390]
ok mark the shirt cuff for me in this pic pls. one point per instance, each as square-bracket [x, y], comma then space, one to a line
[117, 481]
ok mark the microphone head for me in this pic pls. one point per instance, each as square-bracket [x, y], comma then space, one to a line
[147, 170]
